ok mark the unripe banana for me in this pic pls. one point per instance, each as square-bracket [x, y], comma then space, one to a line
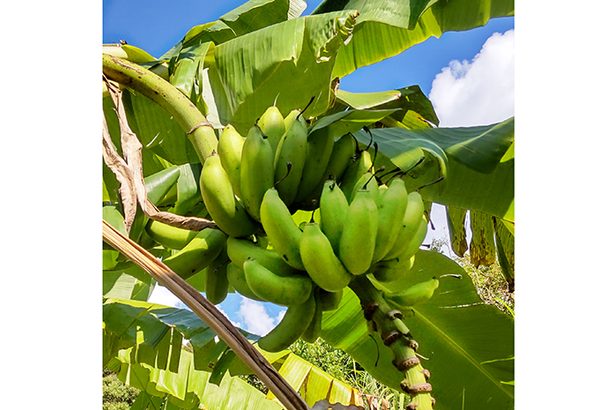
[282, 290]
[291, 152]
[391, 211]
[355, 170]
[341, 157]
[256, 170]
[320, 261]
[358, 239]
[314, 328]
[216, 281]
[292, 326]
[230, 145]
[198, 253]
[281, 229]
[290, 118]
[417, 239]
[237, 280]
[239, 250]
[410, 224]
[368, 182]
[272, 125]
[328, 300]
[333, 210]
[415, 294]
[219, 199]
[169, 236]
[319, 148]
[392, 270]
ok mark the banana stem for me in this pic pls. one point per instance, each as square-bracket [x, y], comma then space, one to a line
[193, 122]
[396, 336]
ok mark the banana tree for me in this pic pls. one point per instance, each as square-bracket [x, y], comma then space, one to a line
[163, 118]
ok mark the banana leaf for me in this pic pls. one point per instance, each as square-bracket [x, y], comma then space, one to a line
[467, 345]
[286, 64]
[387, 27]
[414, 110]
[248, 17]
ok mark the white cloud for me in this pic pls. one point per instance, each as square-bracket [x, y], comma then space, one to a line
[236, 324]
[479, 92]
[163, 296]
[254, 315]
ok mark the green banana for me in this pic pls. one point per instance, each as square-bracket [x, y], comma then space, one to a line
[219, 199]
[237, 279]
[392, 270]
[417, 239]
[368, 182]
[319, 148]
[239, 250]
[355, 170]
[319, 260]
[216, 281]
[256, 174]
[341, 157]
[391, 211]
[290, 118]
[198, 253]
[169, 236]
[272, 125]
[314, 328]
[230, 145]
[410, 224]
[281, 290]
[358, 240]
[292, 326]
[333, 210]
[415, 294]
[284, 235]
[328, 300]
[291, 152]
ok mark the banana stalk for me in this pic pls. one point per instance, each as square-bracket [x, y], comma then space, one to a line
[396, 336]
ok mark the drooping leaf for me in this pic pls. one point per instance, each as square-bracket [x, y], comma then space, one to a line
[463, 152]
[456, 331]
[456, 221]
[479, 148]
[410, 153]
[491, 193]
[386, 27]
[286, 63]
[482, 245]
[505, 243]
[411, 102]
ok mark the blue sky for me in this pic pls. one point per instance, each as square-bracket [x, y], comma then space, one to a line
[156, 26]
[468, 76]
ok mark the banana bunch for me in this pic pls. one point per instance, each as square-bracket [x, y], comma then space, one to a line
[252, 188]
